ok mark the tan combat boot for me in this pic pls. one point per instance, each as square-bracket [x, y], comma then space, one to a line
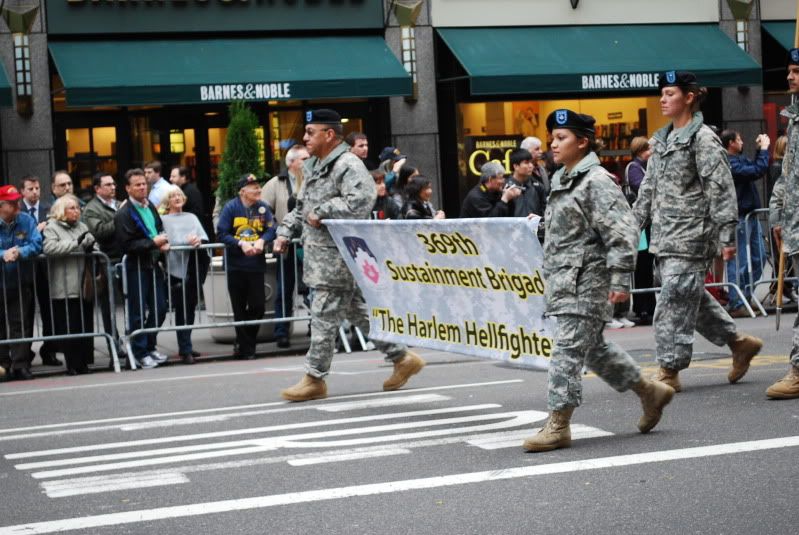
[307, 389]
[744, 348]
[555, 434]
[2, 371]
[404, 368]
[669, 377]
[787, 387]
[654, 396]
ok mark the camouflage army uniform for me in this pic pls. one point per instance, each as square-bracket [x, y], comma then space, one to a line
[338, 187]
[590, 249]
[689, 197]
[784, 205]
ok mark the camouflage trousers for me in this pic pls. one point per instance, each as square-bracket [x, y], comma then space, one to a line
[682, 307]
[329, 308]
[795, 343]
[579, 342]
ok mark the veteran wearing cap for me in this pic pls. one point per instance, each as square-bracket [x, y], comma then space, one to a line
[689, 196]
[19, 240]
[336, 186]
[245, 226]
[589, 256]
[784, 217]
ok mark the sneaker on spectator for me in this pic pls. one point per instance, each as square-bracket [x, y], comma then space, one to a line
[614, 324]
[624, 321]
[159, 358]
[147, 362]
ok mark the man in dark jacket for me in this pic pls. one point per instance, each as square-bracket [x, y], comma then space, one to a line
[490, 198]
[245, 226]
[533, 198]
[141, 236]
[745, 173]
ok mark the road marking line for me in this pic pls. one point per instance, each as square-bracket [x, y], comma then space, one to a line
[514, 439]
[132, 444]
[335, 458]
[305, 406]
[299, 441]
[385, 402]
[56, 489]
[291, 498]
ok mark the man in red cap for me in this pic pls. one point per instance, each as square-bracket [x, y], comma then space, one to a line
[19, 241]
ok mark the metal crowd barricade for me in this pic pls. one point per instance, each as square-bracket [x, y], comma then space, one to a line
[205, 317]
[28, 292]
[771, 255]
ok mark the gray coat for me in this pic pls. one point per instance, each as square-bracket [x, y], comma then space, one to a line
[65, 274]
[688, 194]
[591, 241]
[338, 187]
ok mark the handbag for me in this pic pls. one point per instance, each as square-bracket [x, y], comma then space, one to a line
[93, 285]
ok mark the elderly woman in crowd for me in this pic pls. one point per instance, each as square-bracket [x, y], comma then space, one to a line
[185, 267]
[72, 308]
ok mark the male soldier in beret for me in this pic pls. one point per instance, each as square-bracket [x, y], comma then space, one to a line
[336, 186]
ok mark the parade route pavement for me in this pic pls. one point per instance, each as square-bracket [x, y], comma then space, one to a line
[212, 448]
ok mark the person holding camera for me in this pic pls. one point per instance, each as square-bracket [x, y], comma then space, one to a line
[745, 173]
[72, 307]
[492, 197]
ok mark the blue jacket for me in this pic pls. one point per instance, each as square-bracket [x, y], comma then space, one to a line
[745, 173]
[239, 223]
[23, 234]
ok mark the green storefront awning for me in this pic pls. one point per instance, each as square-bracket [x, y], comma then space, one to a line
[577, 59]
[783, 32]
[199, 71]
[6, 98]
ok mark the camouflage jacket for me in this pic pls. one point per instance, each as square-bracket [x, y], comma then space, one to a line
[784, 203]
[688, 194]
[591, 241]
[338, 187]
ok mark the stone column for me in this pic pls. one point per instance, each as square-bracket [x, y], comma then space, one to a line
[414, 125]
[27, 142]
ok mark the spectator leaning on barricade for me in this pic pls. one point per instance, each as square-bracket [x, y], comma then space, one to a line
[72, 308]
[688, 195]
[337, 186]
[183, 228]
[280, 193]
[39, 210]
[359, 146]
[99, 215]
[141, 236]
[533, 197]
[246, 225]
[19, 241]
[418, 193]
[491, 197]
[195, 203]
[784, 217]
[540, 174]
[385, 206]
[155, 182]
[589, 255]
[745, 173]
[644, 303]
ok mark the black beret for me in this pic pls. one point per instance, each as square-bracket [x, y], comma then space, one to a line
[245, 181]
[793, 57]
[571, 120]
[322, 116]
[676, 78]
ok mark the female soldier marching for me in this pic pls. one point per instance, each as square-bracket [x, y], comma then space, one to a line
[589, 256]
[689, 196]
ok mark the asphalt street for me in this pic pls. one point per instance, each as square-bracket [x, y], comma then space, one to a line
[212, 449]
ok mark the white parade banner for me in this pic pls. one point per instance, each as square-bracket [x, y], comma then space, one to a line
[472, 286]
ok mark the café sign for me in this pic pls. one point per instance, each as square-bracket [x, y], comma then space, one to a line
[479, 150]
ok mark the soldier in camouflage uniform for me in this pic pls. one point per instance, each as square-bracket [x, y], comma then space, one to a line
[336, 186]
[589, 257]
[784, 217]
[689, 197]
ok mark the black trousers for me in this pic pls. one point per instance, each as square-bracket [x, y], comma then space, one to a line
[645, 278]
[16, 306]
[74, 316]
[248, 299]
[43, 300]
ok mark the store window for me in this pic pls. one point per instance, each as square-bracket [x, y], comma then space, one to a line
[492, 130]
[91, 150]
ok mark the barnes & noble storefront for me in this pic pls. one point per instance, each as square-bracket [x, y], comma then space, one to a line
[133, 82]
[496, 92]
